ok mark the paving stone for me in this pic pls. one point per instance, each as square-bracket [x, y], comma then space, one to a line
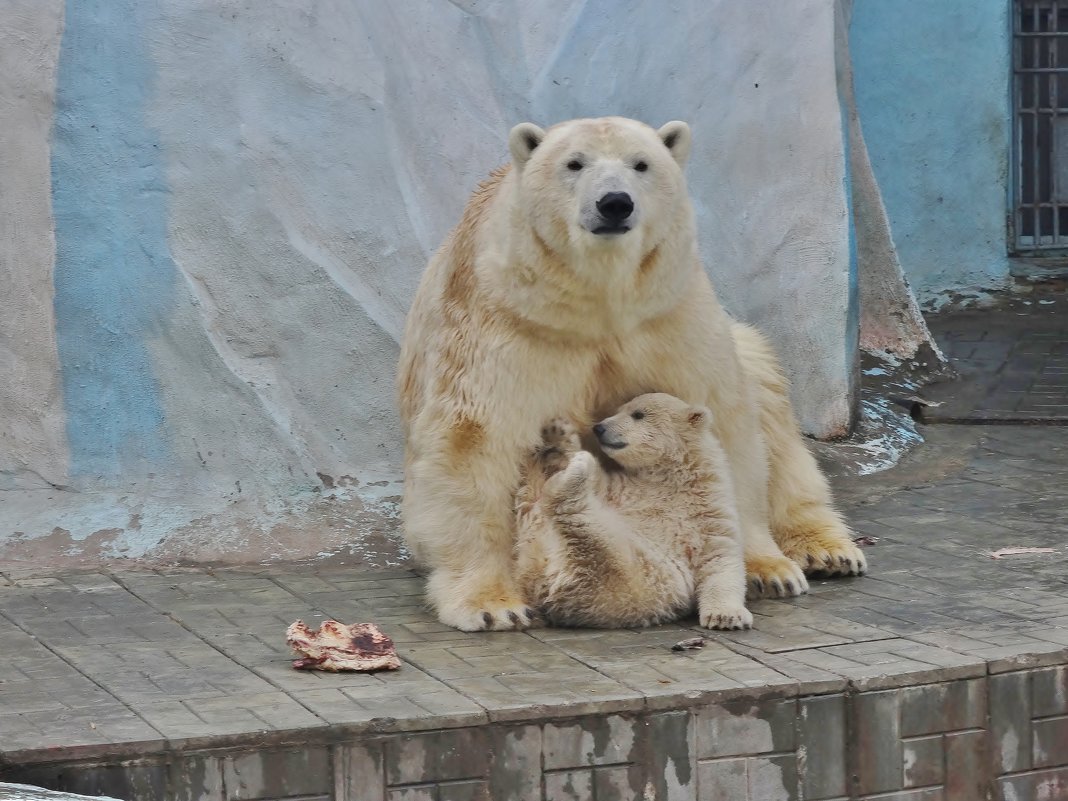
[437, 756]
[773, 778]
[611, 739]
[572, 785]
[358, 771]
[516, 767]
[745, 727]
[821, 743]
[1049, 691]
[278, 774]
[1010, 721]
[879, 752]
[721, 779]
[922, 761]
[1050, 742]
[669, 757]
[1043, 784]
[946, 706]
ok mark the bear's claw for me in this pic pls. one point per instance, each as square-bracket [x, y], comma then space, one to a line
[727, 619]
[774, 577]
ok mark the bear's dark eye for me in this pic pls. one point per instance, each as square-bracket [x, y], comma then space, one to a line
[641, 166]
[637, 415]
[574, 165]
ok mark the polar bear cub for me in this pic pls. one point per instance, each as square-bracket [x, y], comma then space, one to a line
[643, 539]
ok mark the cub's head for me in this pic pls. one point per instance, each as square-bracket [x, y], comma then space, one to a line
[603, 184]
[652, 430]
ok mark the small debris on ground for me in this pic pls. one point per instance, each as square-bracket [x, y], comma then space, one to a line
[689, 645]
[1001, 553]
[865, 539]
[338, 647]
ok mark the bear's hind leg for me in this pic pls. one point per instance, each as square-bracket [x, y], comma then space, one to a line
[804, 522]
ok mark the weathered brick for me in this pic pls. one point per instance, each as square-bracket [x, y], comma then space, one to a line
[1050, 742]
[425, 793]
[359, 772]
[948, 706]
[594, 741]
[668, 756]
[465, 791]
[571, 785]
[922, 761]
[1049, 691]
[276, 774]
[721, 779]
[746, 727]
[1044, 785]
[968, 772]
[437, 756]
[1010, 721]
[200, 778]
[773, 778]
[515, 767]
[822, 746]
[878, 750]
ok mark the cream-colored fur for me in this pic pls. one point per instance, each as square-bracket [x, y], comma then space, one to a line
[526, 313]
[648, 539]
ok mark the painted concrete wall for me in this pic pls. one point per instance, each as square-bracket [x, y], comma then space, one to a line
[932, 87]
[242, 198]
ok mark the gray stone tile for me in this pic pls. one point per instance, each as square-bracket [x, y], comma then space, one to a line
[822, 746]
[1010, 721]
[746, 727]
[722, 778]
[879, 753]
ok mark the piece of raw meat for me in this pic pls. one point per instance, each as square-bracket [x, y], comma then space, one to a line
[335, 646]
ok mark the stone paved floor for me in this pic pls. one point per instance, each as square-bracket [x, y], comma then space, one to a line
[1012, 360]
[93, 659]
[102, 663]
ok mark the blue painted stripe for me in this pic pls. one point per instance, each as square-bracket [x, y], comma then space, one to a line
[114, 276]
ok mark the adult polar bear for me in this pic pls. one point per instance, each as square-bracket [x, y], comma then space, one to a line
[571, 285]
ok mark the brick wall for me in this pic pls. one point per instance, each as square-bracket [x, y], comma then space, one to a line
[1002, 737]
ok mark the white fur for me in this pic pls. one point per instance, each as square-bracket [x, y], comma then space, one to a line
[524, 314]
[643, 542]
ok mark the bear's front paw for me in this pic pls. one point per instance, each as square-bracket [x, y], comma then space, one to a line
[774, 577]
[489, 616]
[829, 556]
[726, 618]
[561, 434]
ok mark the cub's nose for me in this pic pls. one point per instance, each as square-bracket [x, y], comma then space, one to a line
[615, 207]
[598, 430]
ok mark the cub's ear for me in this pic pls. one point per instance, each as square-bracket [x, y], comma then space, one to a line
[522, 141]
[699, 417]
[676, 138]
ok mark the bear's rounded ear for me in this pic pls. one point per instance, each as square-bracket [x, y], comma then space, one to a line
[699, 417]
[676, 138]
[522, 140]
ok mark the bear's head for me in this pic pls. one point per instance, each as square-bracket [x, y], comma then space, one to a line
[651, 430]
[608, 185]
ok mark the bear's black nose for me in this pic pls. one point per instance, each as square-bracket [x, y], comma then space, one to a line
[615, 207]
[598, 430]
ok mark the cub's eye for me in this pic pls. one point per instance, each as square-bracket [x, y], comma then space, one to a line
[641, 166]
[637, 415]
[574, 165]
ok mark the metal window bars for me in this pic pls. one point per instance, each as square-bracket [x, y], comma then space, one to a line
[1040, 96]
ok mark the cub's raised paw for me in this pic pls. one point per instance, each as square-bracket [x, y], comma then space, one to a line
[572, 480]
[560, 434]
[726, 618]
[774, 577]
[827, 554]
